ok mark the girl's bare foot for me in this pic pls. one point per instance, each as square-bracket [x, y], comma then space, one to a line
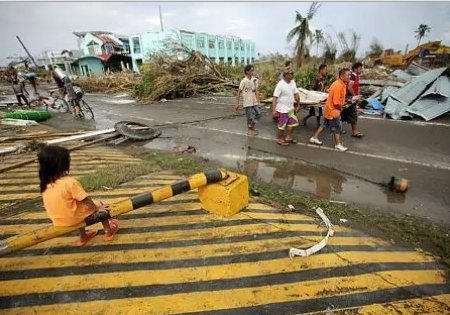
[89, 235]
[109, 236]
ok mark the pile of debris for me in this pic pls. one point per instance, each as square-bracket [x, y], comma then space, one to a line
[110, 83]
[168, 77]
[425, 93]
[377, 73]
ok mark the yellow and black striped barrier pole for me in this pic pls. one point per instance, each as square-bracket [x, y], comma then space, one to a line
[21, 241]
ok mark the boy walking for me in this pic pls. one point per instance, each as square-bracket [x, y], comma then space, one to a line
[249, 91]
[284, 96]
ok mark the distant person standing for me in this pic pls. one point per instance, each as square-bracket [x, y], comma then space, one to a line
[284, 96]
[318, 84]
[251, 102]
[21, 78]
[31, 77]
[332, 115]
[350, 114]
[18, 91]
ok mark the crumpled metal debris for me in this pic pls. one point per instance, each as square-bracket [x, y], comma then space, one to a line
[314, 249]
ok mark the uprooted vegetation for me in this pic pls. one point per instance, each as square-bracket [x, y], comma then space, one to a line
[179, 72]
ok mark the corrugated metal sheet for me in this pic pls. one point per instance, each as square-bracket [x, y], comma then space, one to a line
[415, 69]
[395, 109]
[439, 87]
[388, 90]
[402, 75]
[413, 89]
[430, 107]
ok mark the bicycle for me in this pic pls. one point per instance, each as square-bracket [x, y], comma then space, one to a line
[56, 103]
[85, 109]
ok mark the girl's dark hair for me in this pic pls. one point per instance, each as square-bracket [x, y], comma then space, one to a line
[54, 162]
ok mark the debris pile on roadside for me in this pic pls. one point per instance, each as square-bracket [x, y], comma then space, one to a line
[415, 91]
[111, 83]
[168, 77]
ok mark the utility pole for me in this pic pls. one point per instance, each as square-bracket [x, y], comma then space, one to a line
[28, 53]
[160, 19]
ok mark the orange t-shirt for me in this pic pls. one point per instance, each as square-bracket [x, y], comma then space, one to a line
[336, 99]
[63, 202]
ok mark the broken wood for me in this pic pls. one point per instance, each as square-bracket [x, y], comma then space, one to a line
[14, 166]
[61, 140]
[29, 136]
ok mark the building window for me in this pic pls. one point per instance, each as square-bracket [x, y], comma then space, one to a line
[230, 61]
[236, 61]
[242, 46]
[228, 45]
[212, 43]
[221, 60]
[253, 60]
[243, 60]
[221, 45]
[212, 59]
[200, 43]
[136, 45]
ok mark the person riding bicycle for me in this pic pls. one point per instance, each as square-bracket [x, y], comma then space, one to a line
[72, 97]
[67, 89]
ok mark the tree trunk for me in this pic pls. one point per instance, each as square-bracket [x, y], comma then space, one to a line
[317, 50]
[299, 56]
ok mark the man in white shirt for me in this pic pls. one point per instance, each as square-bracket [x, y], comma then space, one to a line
[285, 95]
[249, 91]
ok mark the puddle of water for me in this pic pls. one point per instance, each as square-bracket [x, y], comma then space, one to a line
[287, 173]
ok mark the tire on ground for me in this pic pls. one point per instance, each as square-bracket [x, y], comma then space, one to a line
[123, 128]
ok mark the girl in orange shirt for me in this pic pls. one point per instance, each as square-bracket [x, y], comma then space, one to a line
[65, 200]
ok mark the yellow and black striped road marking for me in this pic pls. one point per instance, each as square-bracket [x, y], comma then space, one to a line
[22, 184]
[175, 258]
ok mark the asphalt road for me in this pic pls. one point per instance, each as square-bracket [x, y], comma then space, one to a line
[415, 150]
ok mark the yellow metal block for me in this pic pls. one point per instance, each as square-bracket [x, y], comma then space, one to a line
[227, 197]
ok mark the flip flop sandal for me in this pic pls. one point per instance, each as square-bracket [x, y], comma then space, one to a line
[358, 135]
[293, 141]
[90, 236]
[114, 228]
[284, 144]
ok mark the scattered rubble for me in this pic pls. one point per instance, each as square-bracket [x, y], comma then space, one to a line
[109, 83]
[415, 91]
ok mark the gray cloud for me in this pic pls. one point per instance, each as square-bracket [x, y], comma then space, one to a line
[49, 25]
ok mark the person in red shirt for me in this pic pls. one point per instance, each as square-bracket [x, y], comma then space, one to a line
[332, 115]
[350, 114]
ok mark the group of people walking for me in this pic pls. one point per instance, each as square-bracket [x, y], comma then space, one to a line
[341, 104]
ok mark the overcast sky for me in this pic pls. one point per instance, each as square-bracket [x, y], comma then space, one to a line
[49, 25]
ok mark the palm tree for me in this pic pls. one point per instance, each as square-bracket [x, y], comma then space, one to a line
[301, 32]
[318, 38]
[421, 32]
